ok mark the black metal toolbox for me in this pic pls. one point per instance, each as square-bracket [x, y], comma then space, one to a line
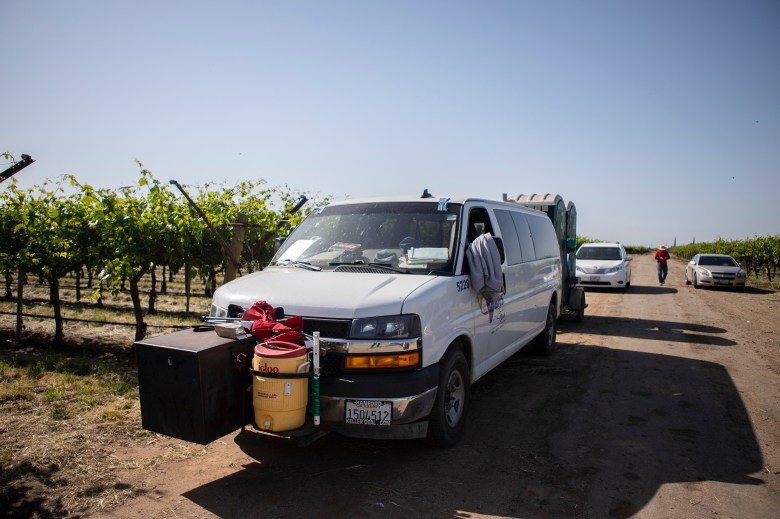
[191, 384]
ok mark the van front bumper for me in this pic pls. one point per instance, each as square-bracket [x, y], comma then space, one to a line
[411, 395]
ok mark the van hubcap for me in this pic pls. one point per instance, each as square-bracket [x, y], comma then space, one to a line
[455, 396]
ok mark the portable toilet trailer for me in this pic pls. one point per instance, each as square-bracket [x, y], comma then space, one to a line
[563, 215]
[571, 231]
[576, 306]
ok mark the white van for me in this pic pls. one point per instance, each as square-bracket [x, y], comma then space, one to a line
[404, 333]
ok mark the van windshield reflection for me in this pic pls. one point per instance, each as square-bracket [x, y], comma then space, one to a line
[408, 237]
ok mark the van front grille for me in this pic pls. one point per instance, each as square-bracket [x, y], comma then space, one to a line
[333, 328]
[360, 269]
[331, 362]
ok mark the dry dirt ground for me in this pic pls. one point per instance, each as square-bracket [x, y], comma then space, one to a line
[663, 403]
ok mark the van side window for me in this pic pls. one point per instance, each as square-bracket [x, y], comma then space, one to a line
[521, 247]
[479, 223]
[524, 235]
[509, 235]
[545, 242]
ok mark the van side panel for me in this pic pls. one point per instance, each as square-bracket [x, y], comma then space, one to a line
[531, 279]
[447, 307]
[509, 322]
[512, 323]
[539, 274]
[549, 283]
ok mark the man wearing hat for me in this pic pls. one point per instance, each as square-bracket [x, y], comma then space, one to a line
[661, 256]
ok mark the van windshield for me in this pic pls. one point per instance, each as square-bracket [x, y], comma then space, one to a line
[411, 236]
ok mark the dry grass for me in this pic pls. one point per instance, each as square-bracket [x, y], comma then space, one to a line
[71, 421]
[762, 282]
[65, 418]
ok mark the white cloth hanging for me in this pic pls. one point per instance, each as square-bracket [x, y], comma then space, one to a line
[487, 278]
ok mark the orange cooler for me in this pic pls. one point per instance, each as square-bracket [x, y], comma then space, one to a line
[280, 403]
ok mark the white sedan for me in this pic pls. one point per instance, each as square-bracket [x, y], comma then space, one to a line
[603, 265]
[715, 270]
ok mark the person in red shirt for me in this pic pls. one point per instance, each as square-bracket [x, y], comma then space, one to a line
[661, 256]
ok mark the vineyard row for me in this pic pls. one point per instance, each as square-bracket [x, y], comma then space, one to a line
[759, 255]
[123, 236]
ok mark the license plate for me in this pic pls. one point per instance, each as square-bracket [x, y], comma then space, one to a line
[595, 278]
[368, 412]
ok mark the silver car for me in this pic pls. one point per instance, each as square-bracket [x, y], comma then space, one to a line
[715, 270]
[603, 265]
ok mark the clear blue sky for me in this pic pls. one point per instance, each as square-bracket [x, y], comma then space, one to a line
[659, 120]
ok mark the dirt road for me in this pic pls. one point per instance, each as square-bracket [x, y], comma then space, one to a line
[664, 402]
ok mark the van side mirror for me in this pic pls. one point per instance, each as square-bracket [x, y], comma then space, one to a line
[278, 241]
[629, 258]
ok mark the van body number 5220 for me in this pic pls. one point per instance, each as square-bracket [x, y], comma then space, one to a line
[462, 284]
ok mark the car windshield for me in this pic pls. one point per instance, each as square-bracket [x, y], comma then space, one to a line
[414, 237]
[599, 253]
[718, 261]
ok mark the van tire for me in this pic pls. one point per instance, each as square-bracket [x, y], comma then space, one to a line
[448, 416]
[544, 343]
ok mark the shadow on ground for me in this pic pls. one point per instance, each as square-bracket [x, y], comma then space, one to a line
[653, 329]
[587, 432]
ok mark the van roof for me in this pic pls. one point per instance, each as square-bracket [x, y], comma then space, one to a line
[433, 199]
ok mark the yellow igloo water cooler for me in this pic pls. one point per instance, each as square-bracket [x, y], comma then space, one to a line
[280, 386]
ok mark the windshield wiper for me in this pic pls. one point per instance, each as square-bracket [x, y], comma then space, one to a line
[390, 267]
[301, 264]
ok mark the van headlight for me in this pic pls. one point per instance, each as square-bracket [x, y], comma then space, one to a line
[387, 327]
[388, 342]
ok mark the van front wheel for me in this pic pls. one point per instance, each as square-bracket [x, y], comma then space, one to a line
[448, 417]
[544, 343]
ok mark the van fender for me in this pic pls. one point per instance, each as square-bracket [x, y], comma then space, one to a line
[463, 339]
